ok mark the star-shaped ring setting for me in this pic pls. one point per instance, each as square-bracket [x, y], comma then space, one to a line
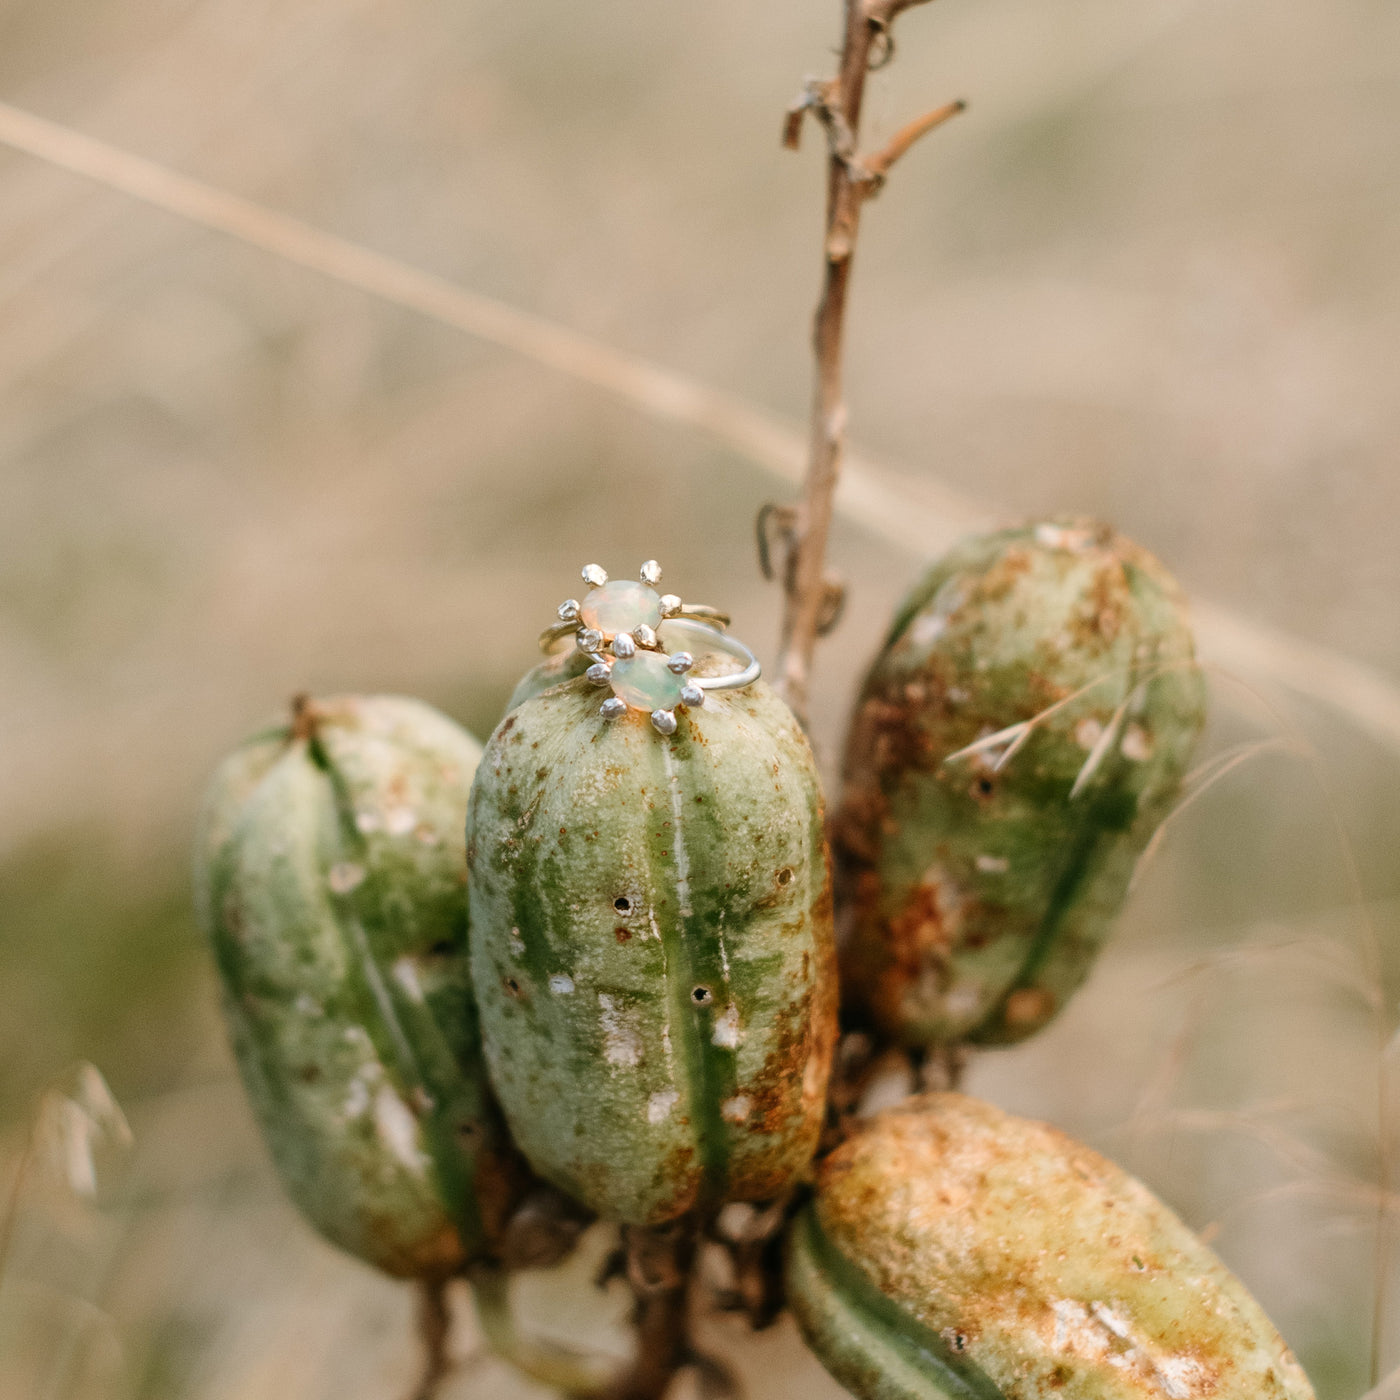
[619, 625]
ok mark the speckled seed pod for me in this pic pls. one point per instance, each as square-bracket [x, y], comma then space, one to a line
[552, 671]
[329, 875]
[652, 948]
[954, 1252]
[974, 888]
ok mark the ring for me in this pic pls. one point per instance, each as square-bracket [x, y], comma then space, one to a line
[643, 645]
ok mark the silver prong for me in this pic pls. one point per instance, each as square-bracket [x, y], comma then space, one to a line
[651, 572]
[568, 610]
[680, 663]
[643, 635]
[663, 721]
[594, 575]
[670, 605]
[613, 706]
[623, 646]
[599, 673]
[588, 639]
[692, 695]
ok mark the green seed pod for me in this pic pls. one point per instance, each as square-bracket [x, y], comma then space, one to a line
[954, 1252]
[652, 948]
[975, 886]
[329, 877]
[552, 671]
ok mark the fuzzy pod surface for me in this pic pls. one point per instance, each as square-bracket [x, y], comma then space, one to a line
[954, 1252]
[652, 948]
[974, 892]
[329, 877]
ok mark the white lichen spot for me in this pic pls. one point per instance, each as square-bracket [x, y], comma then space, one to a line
[993, 865]
[366, 822]
[621, 1044]
[398, 1129]
[1114, 1320]
[357, 1096]
[737, 1109]
[1076, 1333]
[1181, 1377]
[660, 1104]
[516, 944]
[1137, 744]
[561, 983]
[399, 821]
[1087, 733]
[405, 973]
[927, 628]
[963, 999]
[345, 876]
[1063, 537]
[726, 1031]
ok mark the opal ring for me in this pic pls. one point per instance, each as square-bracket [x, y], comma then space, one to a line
[644, 646]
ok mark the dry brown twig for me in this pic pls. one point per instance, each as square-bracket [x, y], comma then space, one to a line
[851, 180]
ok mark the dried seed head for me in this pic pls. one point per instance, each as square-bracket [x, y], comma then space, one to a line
[1036, 704]
[955, 1250]
[318, 857]
[646, 871]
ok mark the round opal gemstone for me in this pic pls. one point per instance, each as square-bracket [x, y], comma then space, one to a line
[621, 606]
[645, 682]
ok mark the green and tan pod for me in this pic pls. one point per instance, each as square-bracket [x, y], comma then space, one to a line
[329, 876]
[954, 1252]
[652, 948]
[975, 885]
[552, 671]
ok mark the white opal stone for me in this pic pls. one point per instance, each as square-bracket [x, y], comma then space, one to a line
[645, 682]
[621, 606]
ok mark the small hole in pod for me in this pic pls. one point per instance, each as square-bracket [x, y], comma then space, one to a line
[512, 987]
[622, 904]
[785, 876]
[702, 996]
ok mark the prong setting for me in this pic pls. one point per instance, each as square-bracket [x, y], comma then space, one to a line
[618, 625]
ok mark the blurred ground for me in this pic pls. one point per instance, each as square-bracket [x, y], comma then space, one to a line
[1153, 274]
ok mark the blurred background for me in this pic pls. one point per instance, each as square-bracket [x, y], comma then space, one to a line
[1153, 274]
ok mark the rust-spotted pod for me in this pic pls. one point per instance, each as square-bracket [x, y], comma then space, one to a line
[955, 1252]
[652, 948]
[1019, 738]
[330, 873]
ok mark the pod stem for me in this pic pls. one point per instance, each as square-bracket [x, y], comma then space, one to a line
[813, 601]
[581, 1377]
[434, 1326]
[659, 1266]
